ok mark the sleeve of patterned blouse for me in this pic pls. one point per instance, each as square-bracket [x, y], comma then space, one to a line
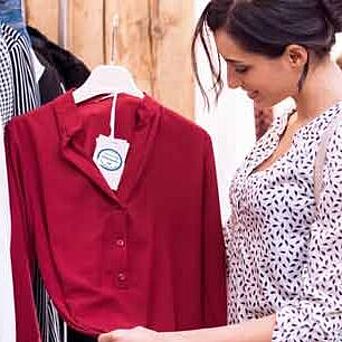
[317, 312]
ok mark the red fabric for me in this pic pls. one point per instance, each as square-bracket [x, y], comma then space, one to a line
[148, 254]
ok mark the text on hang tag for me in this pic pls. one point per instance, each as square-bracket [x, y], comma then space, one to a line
[110, 158]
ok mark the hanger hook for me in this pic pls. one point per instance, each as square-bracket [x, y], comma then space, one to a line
[115, 26]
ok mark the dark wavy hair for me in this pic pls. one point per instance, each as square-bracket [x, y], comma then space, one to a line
[267, 27]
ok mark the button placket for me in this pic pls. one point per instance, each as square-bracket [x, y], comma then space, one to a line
[119, 252]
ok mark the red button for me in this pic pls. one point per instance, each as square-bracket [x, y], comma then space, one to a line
[122, 277]
[120, 243]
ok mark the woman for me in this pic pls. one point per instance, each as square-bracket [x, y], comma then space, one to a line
[284, 250]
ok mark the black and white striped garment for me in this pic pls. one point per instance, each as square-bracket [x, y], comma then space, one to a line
[6, 83]
[26, 93]
[48, 318]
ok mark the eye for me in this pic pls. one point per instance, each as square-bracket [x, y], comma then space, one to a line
[241, 69]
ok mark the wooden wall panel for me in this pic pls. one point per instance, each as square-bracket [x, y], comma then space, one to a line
[132, 38]
[172, 25]
[44, 16]
[153, 41]
[86, 35]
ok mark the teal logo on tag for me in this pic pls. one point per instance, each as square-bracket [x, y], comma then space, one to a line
[109, 159]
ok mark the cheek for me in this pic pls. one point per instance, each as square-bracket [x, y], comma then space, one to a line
[260, 78]
[272, 90]
[282, 81]
[286, 85]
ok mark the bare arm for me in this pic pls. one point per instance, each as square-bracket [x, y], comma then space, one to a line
[259, 330]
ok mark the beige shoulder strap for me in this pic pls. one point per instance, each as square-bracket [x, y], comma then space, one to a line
[320, 156]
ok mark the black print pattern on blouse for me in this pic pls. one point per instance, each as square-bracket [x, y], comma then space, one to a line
[284, 256]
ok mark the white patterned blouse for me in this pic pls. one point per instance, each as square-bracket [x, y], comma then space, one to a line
[284, 255]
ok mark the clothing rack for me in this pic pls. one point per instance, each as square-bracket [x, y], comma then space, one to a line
[63, 18]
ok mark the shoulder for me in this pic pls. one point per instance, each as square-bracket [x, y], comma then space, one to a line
[13, 38]
[178, 125]
[328, 163]
[36, 120]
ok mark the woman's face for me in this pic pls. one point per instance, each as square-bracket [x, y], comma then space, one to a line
[266, 80]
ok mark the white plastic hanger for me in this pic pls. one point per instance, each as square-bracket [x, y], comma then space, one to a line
[107, 79]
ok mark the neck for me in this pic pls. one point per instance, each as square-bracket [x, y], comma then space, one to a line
[322, 89]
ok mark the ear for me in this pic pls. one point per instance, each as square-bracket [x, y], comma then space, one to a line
[296, 55]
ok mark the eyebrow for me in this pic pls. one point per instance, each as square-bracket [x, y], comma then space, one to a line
[234, 61]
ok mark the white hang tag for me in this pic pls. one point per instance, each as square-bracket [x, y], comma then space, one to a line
[110, 155]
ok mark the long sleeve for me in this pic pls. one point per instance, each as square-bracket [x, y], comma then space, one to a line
[21, 254]
[26, 92]
[214, 290]
[316, 315]
[7, 313]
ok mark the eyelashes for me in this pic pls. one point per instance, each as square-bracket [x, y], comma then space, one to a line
[241, 70]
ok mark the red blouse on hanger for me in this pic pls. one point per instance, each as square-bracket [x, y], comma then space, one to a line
[149, 254]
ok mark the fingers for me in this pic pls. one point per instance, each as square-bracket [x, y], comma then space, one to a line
[102, 338]
[112, 336]
[105, 337]
[137, 334]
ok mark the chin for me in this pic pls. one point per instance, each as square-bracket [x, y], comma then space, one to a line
[261, 103]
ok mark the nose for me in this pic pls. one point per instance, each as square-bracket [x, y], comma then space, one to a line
[233, 79]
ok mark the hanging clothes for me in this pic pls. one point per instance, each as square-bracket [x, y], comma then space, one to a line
[139, 249]
[26, 93]
[50, 87]
[48, 319]
[6, 83]
[20, 94]
[7, 326]
[50, 83]
[72, 71]
[62, 70]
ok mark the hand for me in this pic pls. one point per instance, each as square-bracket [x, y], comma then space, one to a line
[138, 334]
